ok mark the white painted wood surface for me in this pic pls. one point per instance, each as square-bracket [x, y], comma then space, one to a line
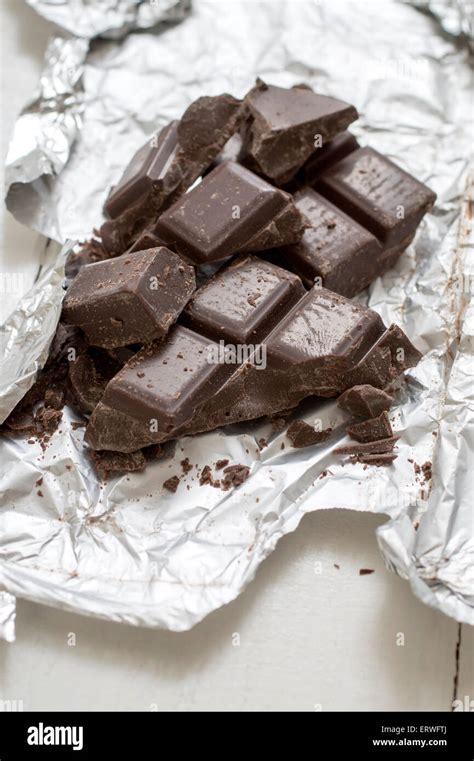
[308, 641]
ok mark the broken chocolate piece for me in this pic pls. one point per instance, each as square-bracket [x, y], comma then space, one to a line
[186, 465]
[231, 210]
[389, 356]
[301, 434]
[283, 124]
[379, 195]
[365, 401]
[371, 430]
[132, 298]
[371, 447]
[336, 250]
[243, 301]
[151, 170]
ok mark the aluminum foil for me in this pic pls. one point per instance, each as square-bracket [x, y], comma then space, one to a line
[110, 18]
[127, 549]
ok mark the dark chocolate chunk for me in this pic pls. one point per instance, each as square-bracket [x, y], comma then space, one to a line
[243, 301]
[339, 252]
[301, 434]
[132, 298]
[365, 401]
[221, 464]
[231, 210]
[148, 172]
[156, 392]
[283, 124]
[328, 155]
[371, 430]
[365, 571]
[371, 447]
[378, 194]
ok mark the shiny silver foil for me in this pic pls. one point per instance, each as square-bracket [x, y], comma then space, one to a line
[127, 549]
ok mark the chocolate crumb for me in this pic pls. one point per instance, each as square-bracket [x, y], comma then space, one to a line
[427, 470]
[39, 493]
[337, 566]
[365, 571]
[221, 464]
[39, 481]
[262, 443]
[171, 484]
[186, 465]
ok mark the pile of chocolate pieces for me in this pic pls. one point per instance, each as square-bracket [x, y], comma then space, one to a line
[240, 231]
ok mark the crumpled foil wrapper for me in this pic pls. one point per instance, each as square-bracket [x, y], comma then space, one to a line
[127, 549]
[109, 18]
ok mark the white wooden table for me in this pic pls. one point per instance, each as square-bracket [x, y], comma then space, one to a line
[308, 641]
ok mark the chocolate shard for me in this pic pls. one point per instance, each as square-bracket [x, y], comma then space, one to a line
[391, 354]
[378, 194]
[134, 298]
[254, 293]
[167, 166]
[150, 171]
[372, 429]
[301, 434]
[231, 210]
[371, 447]
[384, 458]
[335, 250]
[326, 156]
[365, 401]
[282, 124]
